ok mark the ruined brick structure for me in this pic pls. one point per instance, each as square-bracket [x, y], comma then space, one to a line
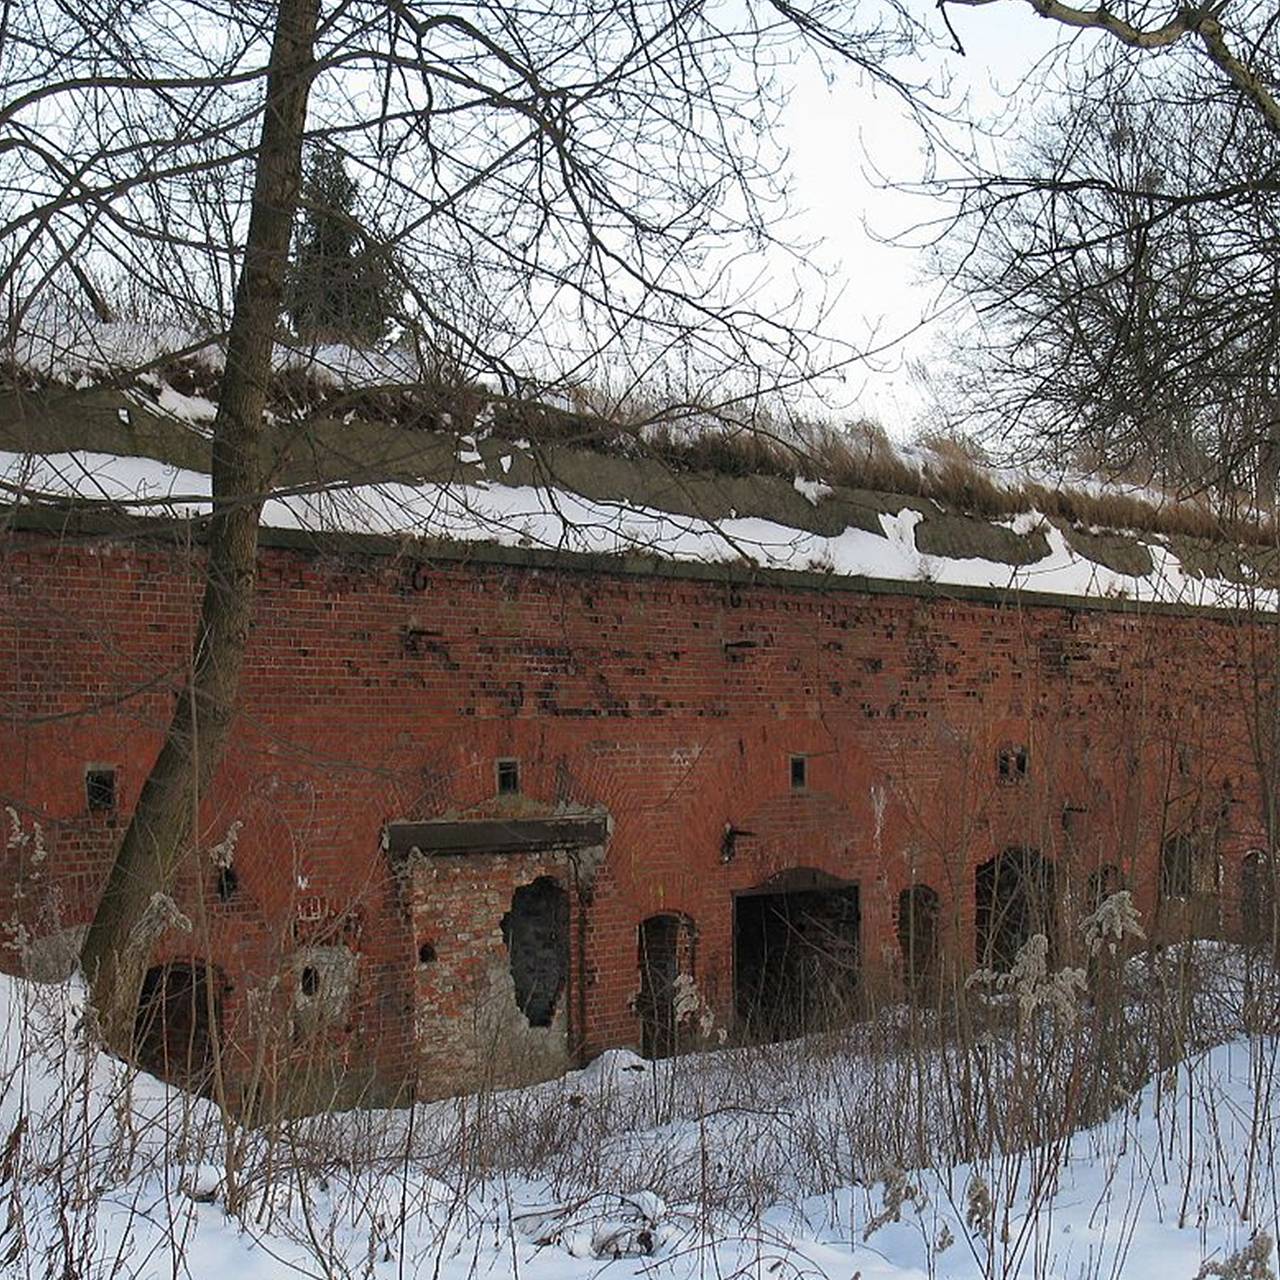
[495, 811]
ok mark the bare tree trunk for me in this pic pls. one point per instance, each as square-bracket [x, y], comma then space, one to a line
[116, 950]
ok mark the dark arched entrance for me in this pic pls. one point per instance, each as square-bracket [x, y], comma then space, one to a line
[795, 954]
[179, 1014]
[1189, 884]
[1013, 899]
[919, 912]
[1257, 898]
[666, 954]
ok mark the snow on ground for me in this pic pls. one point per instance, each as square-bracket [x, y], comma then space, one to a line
[556, 519]
[107, 1172]
[74, 347]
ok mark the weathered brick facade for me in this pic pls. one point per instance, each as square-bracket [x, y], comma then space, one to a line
[937, 728]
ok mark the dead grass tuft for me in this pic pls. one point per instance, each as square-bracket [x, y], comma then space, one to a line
[951, 470]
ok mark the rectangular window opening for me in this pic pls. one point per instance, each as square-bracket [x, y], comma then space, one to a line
[508, 777]
[1011, 764]
[799, 773]
[100, 789]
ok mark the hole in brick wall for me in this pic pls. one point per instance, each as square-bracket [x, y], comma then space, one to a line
[919, 909]
[426, 953]
[1013, 899]
[173, 1033]
[325, 978]
[508, 777]
[799, 773]
[100, 788]
[228, 883]
[536, 931]
[795, 958]
[1011, 763]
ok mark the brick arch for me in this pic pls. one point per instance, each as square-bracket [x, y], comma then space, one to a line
[178, 1021]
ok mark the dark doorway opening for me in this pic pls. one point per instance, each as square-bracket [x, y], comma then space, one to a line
[1014, 899]
[173, 1031]
[536, 931]
[1257, 898]
[1189, 885]
[666, 952]
[795, 953]
[1178, 857]
[919, 909]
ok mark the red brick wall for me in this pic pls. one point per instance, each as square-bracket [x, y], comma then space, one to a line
[378, 690]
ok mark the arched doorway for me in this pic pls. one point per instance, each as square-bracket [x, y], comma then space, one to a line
[179, 1014]
[1257, 898]
[1014, 898]
[666, 956]
[795, 954]
[919, 913]
[1190, 879]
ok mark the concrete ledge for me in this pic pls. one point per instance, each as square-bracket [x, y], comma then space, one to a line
[489, 835]
[75, 522]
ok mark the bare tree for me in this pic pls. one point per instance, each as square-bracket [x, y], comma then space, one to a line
[115, 950]
[567, 189]
[1122, 270]
[1216, 32]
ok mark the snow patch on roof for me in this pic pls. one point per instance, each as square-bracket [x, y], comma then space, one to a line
[559, 520]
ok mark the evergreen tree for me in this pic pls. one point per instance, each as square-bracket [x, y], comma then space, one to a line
[340, 286]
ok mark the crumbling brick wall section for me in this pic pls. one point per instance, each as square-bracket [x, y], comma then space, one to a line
[496, 977]
[937, 729]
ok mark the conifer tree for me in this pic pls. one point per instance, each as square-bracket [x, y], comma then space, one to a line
[340, 287]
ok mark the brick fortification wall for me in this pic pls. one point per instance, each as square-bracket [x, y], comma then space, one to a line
[933, 732]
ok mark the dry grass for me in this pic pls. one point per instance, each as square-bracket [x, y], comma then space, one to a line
[952, 471]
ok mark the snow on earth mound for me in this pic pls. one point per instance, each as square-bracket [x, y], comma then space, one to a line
[68, 348]
[556, 519]
[107, 1172]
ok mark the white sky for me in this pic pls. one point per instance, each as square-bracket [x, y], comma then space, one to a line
[831, 130]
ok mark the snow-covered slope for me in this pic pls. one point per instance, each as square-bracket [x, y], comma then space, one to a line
[118, 413]
[105, 1172]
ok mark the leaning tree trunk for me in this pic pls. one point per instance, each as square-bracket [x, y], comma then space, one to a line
[117, 947]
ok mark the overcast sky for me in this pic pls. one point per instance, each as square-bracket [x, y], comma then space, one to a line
[831, 130]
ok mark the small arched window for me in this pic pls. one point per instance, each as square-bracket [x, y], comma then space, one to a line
[919, 910]
[1177, 866]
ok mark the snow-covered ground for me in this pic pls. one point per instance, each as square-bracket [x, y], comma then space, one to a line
[763, 1163]
[490, 510]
